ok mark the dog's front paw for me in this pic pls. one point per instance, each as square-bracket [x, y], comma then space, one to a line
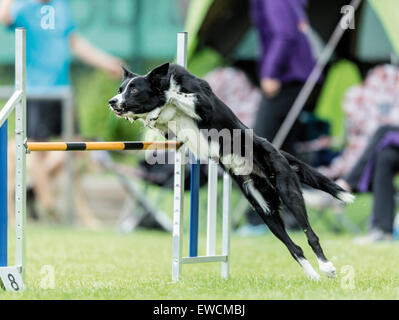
[328, 269]
[309, 271]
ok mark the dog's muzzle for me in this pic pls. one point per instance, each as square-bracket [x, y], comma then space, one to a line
[116, 106]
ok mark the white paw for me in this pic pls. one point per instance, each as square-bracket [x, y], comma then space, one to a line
[310, 272]
[328, 269]
[346, 197]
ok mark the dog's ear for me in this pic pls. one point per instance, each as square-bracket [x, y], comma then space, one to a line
[127, 73]
[156, 75]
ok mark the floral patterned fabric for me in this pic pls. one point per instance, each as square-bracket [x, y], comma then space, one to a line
[233, 87]
[367, 107]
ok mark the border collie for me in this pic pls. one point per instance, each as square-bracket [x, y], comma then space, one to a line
[169, 93]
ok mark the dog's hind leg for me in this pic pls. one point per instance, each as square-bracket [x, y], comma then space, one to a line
[276, 226]
[270, 216]
[291, 196]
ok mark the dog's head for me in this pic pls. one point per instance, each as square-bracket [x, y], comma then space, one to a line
[139, 95]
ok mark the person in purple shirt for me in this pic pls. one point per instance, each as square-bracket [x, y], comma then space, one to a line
[286, 61]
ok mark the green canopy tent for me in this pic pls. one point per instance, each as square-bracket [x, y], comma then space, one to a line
[373, 44]
[388, 11]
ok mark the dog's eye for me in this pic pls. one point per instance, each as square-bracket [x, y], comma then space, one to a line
[120, 90]
[134, 91]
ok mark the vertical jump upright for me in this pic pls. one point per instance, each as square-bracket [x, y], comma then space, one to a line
[177, 258]
[20, 153]
[13, 276]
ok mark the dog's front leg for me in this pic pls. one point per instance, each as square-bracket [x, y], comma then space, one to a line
[152, 117]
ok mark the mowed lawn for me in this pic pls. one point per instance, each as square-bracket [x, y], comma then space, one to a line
[107, 265]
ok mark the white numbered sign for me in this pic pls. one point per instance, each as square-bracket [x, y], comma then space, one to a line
[11, 279]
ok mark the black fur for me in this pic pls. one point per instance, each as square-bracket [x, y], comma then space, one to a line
[282, 174]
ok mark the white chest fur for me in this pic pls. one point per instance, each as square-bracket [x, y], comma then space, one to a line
[179, 117]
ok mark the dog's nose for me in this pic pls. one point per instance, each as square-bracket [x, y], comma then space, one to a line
[113, 102]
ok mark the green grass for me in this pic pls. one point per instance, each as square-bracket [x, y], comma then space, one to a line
[106, 265]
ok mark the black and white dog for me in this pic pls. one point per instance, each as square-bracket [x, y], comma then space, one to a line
[169, 93]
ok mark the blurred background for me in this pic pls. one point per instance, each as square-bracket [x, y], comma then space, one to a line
[121, 190]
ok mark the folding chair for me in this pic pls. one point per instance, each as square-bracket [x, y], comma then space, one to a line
[138, 210]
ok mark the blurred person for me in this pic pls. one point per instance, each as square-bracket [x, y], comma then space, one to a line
[286, 61]
[367, 106]
[369, 160]
[375, 171]
[50, 36]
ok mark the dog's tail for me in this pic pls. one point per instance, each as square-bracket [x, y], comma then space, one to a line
[315, 179]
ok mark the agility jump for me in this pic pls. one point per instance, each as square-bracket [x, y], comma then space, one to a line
[110, 146]
[13, 276]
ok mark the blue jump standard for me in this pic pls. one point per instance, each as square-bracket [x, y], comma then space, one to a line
[3, 195]
[195, 184]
